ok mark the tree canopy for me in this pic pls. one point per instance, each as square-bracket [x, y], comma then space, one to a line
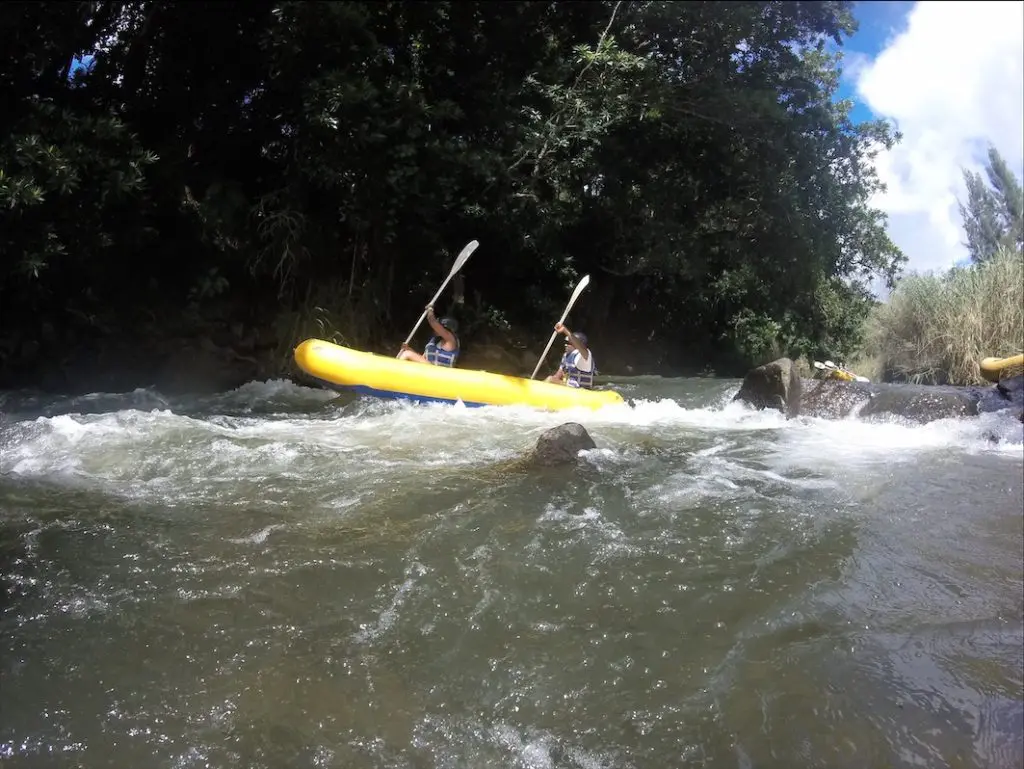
[692, 156]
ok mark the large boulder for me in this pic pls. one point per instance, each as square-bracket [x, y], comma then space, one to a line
[775, 385]
[560, 445]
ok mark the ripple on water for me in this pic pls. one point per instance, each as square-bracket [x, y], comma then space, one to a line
[269, 578]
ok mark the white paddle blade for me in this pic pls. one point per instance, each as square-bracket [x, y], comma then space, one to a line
[459, 261]
[584, 282]
[463, 257]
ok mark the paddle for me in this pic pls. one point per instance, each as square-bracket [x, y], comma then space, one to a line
[575, 295]
[459, 261]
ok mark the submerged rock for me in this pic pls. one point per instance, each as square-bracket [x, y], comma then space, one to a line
[560, 445]
[923, 403]
[1012, 390]
[775, 385]
[832, 398]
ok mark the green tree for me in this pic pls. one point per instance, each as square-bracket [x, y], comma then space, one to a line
[736, 202]
[692, 155]
[71, 171]
[994, 213]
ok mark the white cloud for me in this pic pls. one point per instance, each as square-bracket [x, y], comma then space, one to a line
[953, 82]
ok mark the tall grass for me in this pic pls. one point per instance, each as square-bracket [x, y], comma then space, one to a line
[935, 329]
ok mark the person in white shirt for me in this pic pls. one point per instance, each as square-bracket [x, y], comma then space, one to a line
[577, 368]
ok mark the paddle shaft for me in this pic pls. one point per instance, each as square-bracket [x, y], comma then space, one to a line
[572, 300]
[459, 261]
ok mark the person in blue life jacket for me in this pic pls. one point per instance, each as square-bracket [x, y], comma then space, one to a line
[442, 349]
[577, 368]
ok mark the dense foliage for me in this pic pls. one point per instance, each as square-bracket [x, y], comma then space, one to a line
[691, 156]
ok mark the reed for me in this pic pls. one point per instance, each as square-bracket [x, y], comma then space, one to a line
[935, 329]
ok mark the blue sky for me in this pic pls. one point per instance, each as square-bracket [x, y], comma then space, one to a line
[78, 64]
[879, 23]
[950, 77]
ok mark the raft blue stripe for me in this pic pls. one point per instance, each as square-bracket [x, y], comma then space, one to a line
[393, 394]
[364, 390]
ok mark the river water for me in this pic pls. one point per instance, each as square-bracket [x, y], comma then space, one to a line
[281, 577]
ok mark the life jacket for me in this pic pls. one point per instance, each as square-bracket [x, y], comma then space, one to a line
[439, 356]
[573, 376]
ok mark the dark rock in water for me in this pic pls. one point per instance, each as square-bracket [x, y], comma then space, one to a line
[560, 445]
[774, 385]
[831, 398]
[1007, 394]
[1012, 388]
[923, 403]
[1012, 392]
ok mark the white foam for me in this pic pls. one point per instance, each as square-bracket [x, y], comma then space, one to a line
[160, 453]
[816, 444]
[257, 538]
[275, 388]
[387, 617]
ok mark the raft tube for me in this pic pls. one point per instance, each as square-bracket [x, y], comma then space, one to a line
[838, 372]
[993, 368]
[385, 377]
[841, 375]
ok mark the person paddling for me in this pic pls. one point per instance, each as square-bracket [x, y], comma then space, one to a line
[442, 349]
[577, 367]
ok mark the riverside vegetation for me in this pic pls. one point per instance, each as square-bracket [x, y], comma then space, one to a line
[205, 184]
[935, 329]
[223, 179]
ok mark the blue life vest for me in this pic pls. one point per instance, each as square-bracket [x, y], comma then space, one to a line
[573, 376]
[439, 356]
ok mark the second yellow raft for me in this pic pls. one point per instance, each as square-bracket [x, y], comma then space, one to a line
[994, 369]
[386, 377]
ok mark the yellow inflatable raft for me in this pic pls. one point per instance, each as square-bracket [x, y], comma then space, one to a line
[392, 378]
[994, 369]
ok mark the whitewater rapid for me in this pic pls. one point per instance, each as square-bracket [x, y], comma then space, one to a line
[282, 575]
